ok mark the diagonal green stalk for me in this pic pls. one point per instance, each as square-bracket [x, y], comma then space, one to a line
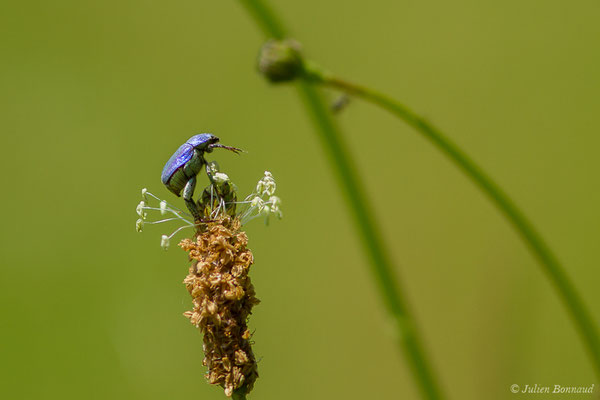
[548, 261]
[370, 234]
[265, 18]
[540, 249]
[346, 171]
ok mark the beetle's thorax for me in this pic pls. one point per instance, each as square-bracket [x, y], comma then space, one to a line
[194, 166]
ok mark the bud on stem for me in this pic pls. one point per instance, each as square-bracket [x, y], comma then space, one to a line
[280, 60]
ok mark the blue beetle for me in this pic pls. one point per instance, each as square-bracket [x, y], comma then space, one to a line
[180, 171]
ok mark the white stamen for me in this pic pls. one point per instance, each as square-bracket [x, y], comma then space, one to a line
[164, 242]
[140, 209]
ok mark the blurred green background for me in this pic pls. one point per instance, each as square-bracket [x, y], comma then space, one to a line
[96, 96]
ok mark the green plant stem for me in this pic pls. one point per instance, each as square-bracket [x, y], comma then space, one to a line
[382, 267]
[265, 18]
[381, 263]
[239, 394]
[548, 261]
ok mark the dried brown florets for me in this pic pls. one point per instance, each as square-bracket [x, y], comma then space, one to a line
[223, 297]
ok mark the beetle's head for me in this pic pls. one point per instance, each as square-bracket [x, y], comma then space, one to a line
[203, 141]
[206, 142]
[211, 143]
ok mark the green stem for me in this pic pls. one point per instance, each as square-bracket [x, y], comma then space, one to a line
[548, 261]
[370, 234]
[239, 394]
[265, 18]
[382, 266]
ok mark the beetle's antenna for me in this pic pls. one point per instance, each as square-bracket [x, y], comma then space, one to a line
[230, 148]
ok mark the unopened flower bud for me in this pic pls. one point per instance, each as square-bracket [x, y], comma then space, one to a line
[280, 60]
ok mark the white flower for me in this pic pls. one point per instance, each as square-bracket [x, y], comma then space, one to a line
[166, 210]
[266, 186]
[256, 202]
[165, 241]
[265, 209]
[220, 177]
[140, 209]
[275, 203]
[262, 201]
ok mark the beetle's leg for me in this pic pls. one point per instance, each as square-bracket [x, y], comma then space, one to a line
[188, 194]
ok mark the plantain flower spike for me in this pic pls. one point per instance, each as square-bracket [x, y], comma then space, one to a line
[218, 281]
[218, 278]
[223, 297]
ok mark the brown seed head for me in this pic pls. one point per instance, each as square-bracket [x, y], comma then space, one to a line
[223, 297]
